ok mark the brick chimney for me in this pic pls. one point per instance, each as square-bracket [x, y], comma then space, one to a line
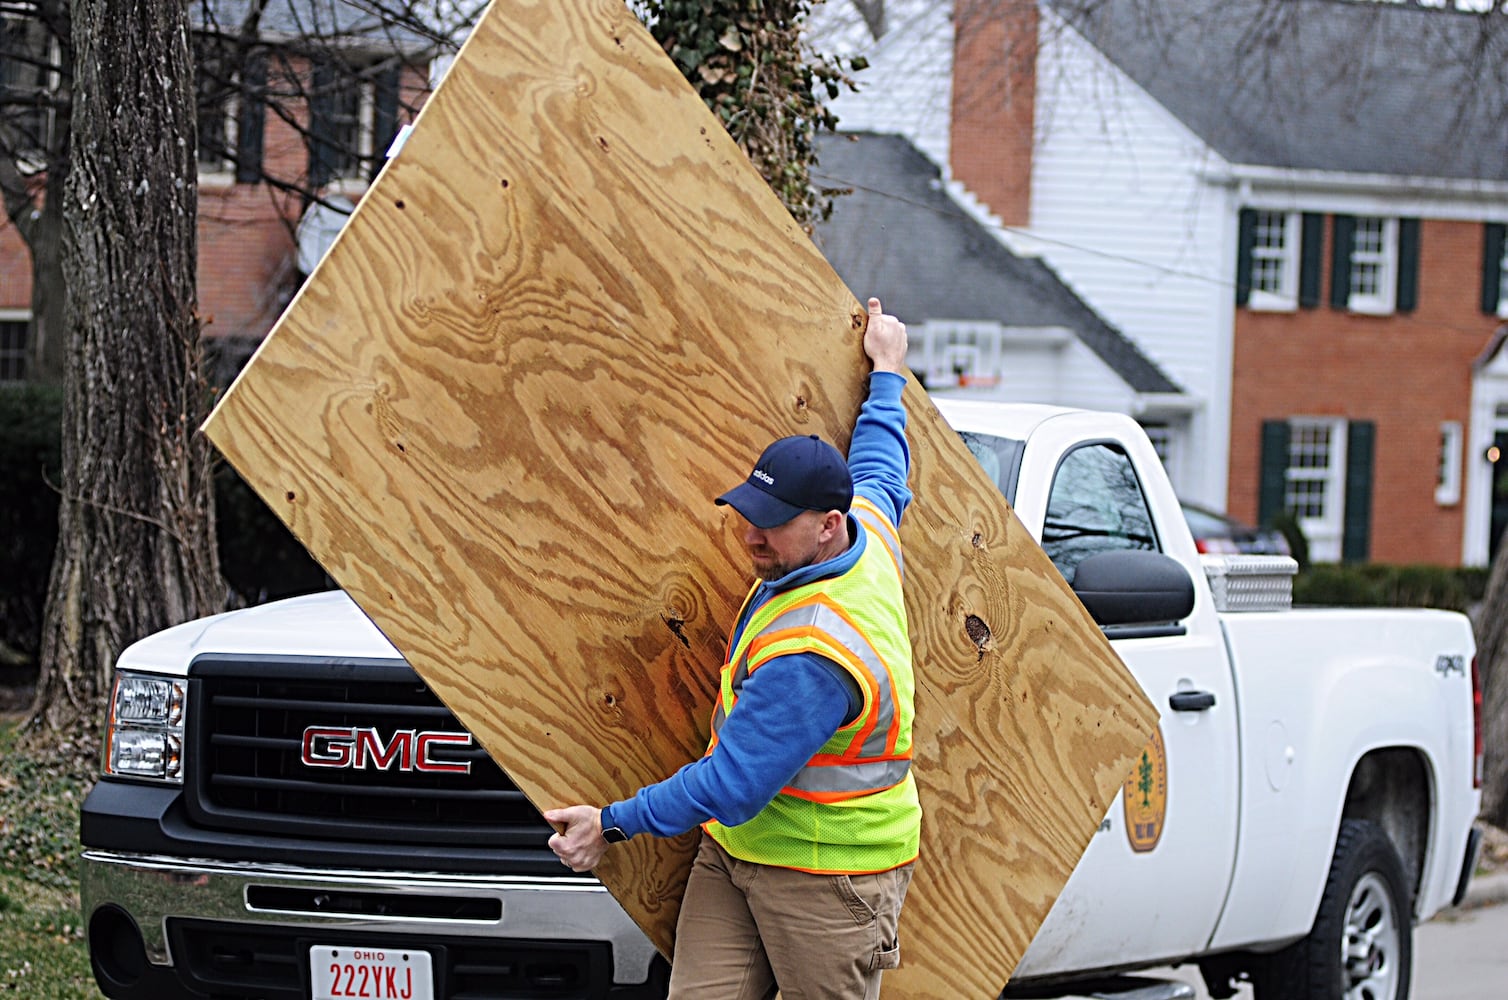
[994, 98]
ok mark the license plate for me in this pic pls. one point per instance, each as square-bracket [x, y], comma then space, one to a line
[344, 973]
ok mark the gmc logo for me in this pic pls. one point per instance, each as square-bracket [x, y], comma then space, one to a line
[361, 748]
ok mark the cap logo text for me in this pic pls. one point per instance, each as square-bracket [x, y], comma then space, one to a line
[764, 476]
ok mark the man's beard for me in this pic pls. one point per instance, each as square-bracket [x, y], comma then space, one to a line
[769, 571]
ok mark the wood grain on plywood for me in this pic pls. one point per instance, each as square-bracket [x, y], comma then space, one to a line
[561, 322]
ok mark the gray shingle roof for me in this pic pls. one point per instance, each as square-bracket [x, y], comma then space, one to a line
[900, 235]
[1319, 84]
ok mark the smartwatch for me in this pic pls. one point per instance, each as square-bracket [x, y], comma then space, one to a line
[611, 832]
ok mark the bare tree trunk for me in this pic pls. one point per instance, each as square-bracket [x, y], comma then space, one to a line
[136, 548]
[1492, 661]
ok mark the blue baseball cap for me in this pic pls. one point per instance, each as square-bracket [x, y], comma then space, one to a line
[794, 474]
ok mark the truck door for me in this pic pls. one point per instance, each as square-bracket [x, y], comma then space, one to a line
[1154, 878]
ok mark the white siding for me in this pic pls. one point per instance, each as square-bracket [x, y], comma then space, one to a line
[1119, 204]
[1124, 215]
[908, 88]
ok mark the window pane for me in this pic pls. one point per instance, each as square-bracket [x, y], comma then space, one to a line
[1368, 238]
[12, 350]
[1308, 470]
[1096, 505]
[1267, 275]
[1270, 230]
[999, 457]
[1364, 279]
[1269, 252]
[1309, 447]
[1369, 254]
[1306, 497]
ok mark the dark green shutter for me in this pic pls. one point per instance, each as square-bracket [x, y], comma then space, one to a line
[1340, 261]
[384, 115]
[1311, 262]
[1356, 539]
[320, 139]
[1245, 237]
[1492, 266]
[1408, 265]
[1272, 490]
[251, 119]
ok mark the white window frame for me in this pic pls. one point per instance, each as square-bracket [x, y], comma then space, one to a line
[1286, 297]
[1324, 533]
[1384, 300]
[1448, 477]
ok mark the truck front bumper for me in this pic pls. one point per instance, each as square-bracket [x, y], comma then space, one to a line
[166, 928]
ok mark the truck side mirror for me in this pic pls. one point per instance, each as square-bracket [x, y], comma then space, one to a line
[1134, 587]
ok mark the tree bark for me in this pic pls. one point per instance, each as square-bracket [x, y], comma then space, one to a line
[136, 549]
[1492, 664]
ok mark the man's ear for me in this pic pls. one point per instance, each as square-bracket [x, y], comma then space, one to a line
[833, 522]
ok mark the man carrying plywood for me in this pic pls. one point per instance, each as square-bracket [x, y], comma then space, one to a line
[810, 817]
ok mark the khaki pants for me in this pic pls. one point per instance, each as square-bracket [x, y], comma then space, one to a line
[748, 930]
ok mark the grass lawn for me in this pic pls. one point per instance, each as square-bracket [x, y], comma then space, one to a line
[42, 951]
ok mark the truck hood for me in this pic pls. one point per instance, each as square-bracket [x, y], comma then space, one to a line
[328, 624]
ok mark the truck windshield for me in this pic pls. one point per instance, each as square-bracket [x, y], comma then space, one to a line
[1000, 458]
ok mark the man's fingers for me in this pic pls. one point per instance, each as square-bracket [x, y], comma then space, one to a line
[874, 307]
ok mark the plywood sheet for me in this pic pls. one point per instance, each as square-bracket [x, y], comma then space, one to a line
[563, 319]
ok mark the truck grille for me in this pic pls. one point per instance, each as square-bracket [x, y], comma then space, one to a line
[247, 733]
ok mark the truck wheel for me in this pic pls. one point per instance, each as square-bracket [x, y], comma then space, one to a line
[1361, 945]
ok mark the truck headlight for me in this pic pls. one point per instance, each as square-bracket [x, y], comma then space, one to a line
[145, 729]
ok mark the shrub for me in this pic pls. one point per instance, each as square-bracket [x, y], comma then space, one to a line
[30, 477]
[1385, 585]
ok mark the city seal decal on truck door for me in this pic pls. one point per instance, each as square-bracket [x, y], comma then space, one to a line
[1145, 796]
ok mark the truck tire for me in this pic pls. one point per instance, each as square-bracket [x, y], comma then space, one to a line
[1361, 944]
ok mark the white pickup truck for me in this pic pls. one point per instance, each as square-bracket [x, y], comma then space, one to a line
[288, 812]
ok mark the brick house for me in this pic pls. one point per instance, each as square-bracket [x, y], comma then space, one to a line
[1279, 210]
[310, 106]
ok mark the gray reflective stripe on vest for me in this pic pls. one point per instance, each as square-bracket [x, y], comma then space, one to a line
[836, 777]
[876, 524]
[870, 777]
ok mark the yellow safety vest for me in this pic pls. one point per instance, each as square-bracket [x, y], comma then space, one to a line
[853, 807]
